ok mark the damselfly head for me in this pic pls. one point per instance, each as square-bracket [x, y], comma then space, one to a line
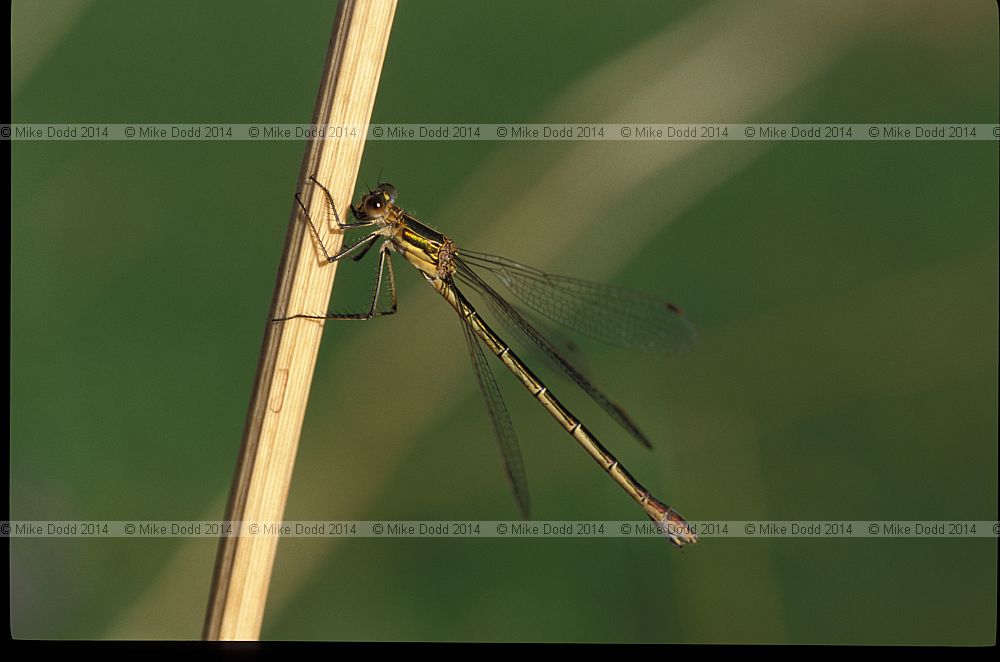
[375, 203]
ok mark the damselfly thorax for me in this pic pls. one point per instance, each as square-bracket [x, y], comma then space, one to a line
[422, 246]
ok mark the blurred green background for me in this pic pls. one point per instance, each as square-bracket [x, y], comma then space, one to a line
[846, 295]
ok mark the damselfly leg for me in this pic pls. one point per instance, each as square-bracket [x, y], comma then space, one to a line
[359, 249]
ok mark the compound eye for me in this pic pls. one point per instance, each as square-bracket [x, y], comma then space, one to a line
[375, 204]
[389, 190]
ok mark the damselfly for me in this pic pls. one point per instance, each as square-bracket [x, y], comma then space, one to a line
[610, 314]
